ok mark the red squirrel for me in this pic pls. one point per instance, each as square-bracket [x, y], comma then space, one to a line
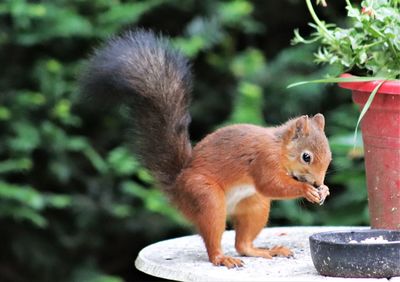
[233, 172]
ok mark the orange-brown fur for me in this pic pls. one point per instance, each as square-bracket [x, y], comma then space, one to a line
[253, 155]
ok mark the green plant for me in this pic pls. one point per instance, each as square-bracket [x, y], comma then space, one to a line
[370, 46]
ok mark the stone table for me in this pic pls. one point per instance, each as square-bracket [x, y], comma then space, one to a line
[185, 259]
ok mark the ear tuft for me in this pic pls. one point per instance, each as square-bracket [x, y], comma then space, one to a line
[301, 127]
[319, 120]
[296, 128]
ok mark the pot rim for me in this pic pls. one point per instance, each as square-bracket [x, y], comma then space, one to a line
[388, 87]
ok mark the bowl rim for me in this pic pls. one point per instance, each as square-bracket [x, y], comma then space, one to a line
[320, 240]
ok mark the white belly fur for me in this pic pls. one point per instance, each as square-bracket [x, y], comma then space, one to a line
[236, 194]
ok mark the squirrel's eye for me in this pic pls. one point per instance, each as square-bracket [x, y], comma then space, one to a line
[306, 157]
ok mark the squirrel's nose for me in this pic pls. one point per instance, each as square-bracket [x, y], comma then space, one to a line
[317, 183]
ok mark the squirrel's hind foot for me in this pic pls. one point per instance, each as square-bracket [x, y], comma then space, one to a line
[251, 251]
[280, 251]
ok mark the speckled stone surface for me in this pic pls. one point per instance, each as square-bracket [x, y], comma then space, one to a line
[185, 258]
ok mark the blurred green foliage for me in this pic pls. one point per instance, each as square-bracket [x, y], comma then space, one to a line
[75, 204]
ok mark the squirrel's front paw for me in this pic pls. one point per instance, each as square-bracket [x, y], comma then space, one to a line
[311, 194]
[227, 261]
[323, 192]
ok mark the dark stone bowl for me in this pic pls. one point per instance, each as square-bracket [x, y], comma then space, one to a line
[333, 255]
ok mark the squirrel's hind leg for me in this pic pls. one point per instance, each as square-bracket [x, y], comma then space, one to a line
[251, 215]
[203, 203]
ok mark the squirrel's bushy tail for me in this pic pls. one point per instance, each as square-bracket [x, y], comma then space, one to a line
[143, 71]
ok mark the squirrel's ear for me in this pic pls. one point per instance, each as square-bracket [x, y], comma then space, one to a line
[319, 121]
[301, 127]
[298, 128]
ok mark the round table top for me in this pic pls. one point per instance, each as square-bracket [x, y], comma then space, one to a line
[185, 258]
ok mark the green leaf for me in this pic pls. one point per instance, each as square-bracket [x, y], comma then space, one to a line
[30, 99]
[26, 137]
[337, 80]
[77, 143]
[23, 213]
[248, 64]
[153, 199]
[96, 160]
[134, 189]
[16, 165]
[233, 10]
[122, 210]
[23, 194]
[58, 201]
[5, 113]
[248, 104]
[122, 162]
[366, 107]
[145, 176]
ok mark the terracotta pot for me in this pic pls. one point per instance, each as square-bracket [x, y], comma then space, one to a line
[381, 137]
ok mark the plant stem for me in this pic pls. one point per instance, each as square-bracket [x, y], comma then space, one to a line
[317, 21]
[374, 44]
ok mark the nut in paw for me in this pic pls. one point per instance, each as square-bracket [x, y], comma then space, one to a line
[323, 192]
